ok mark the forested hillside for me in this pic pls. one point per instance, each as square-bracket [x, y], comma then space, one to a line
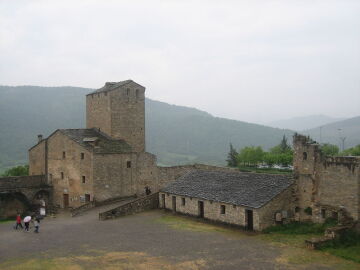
[176, 134]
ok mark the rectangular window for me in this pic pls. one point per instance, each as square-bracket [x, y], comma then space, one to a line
[83, 179]
[183, 201]
[222, 209]
[62, 175]
[128, 164]
[82, 155]
[64, 155]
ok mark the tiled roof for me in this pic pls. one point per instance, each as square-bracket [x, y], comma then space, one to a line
[106, 144]
[110, 86]
[246, 189]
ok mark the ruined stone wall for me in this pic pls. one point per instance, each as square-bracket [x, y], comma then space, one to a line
[98, 112]
[338, 185]
[128, 115]
[73, 169]
[37, 159]
[325, 182]
[112, 177]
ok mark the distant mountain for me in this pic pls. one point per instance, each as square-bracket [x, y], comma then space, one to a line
[176, 134]
[304, 122]
[331, 133]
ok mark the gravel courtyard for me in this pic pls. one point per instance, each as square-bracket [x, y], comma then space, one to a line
[150, 240]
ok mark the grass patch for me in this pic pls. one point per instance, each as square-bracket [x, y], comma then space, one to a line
[105, 260]
[347, 246]
[7, 220]
[193, 224]
[301, 228]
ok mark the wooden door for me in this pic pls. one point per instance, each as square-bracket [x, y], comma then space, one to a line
[174, 203]
[201, 209]
[163, 200]
[66, 200]
[249, 220]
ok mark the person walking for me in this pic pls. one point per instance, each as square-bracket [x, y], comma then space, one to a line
[27, 220]
[37, 225]
[18, 222]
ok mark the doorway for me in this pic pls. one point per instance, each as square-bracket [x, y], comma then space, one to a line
[87, 198]
[201, 208]
[163, 200]
[66, 200]
[174, 203]
[249, 219]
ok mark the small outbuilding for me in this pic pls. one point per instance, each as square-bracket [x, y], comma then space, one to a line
[250, 200]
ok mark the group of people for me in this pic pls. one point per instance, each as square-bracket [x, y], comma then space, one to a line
[27, 220]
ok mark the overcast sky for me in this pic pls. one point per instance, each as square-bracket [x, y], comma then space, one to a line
[254, 61]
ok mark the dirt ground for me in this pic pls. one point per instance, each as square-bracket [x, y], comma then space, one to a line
[150, 240]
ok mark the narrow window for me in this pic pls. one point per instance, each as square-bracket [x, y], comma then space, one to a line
[128, 164]
[83, 179]
[304, 156]
[183, 201]
[127, 91]
[137, 93]
[323, 213]
[64, 155]
[82, 155]
[105, 93]
[222, 209]
[62, 175]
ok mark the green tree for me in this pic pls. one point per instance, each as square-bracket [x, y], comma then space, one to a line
[330, 149]
[284, 146]
[354, 151]
[250, 155]
[232, 157]
[17, 171]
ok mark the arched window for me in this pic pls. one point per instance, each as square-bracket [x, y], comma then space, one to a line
[304, 156]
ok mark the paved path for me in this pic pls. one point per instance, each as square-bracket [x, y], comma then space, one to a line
[64, 236]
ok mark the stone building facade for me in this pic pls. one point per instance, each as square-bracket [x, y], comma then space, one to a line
[248, 200]
[326, 186]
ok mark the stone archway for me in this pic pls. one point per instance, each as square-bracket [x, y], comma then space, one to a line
[13, 203]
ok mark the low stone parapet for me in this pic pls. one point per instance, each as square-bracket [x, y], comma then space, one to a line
[136, 206]
[316, 243]
[90, 205]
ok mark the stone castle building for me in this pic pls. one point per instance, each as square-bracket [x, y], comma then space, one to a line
[108, 159]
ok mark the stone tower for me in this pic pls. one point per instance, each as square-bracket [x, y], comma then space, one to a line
[118, 109]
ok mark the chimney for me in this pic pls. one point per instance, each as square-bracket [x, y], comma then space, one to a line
[40, 137]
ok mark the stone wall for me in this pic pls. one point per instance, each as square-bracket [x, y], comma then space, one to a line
[136, 206]
[325, 182]
[21, 182]
[284, 203]
[37, 159]
[234, 214]
[66, 173]
[112, 177]
[147, 173]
